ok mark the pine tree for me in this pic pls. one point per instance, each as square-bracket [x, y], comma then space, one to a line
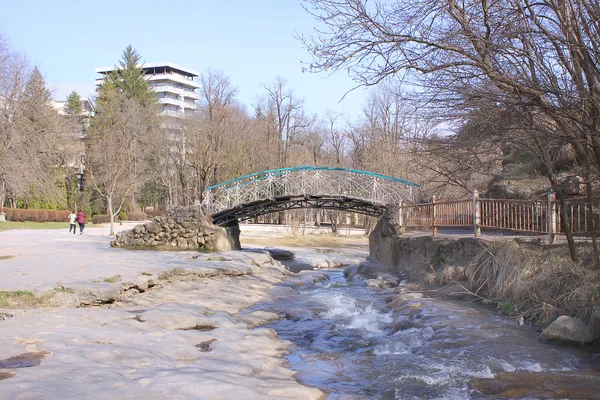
[74, 106]
[130, 79]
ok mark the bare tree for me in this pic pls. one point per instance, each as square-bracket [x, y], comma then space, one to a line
[112, 147]
[290, 119]
[543, 56]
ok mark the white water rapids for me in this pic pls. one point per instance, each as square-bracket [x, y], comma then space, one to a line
[342, 343]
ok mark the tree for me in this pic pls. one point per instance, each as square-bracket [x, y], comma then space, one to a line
[31, 134]
[112, 148]
[289, 116]
[538, 56]
[129, 78]
[74, 105]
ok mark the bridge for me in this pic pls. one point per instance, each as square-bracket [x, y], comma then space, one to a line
[292, 188]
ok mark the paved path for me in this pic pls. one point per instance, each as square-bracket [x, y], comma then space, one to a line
[45, 258]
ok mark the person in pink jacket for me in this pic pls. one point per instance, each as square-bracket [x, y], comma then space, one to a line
[81, 221]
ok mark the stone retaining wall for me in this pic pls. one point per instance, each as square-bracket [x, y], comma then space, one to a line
[414, 257]
[183, 228]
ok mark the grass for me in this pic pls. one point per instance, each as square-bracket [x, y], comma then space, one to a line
[146, 274]
[539, 283]
[6, 257]
[9, 225]
[24, 299]
[18, 299]
[113, 279]
[311, 240]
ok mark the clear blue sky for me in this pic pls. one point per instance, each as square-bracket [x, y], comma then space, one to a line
[251, 41]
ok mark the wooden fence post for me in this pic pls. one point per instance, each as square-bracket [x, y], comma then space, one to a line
[551, 217]
[476, 214]
[434, 215]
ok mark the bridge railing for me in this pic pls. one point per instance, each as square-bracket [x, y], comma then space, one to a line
[531, 216]
[307, 180]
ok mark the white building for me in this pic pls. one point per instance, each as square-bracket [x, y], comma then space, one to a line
[174, 86]
[86, 105]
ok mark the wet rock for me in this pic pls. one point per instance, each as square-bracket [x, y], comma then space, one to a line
[413, 296]
[402, 323]
[205, 346]
[280, 254]
[24, 360]
[298, 265]
[568, 329]
[377, 283]
[258, 318]
[397, 302]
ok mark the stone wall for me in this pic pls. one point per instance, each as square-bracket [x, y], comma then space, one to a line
[414, 257]
[183, 228]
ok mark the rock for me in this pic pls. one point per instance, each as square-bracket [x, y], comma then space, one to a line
[413, 296]
[99, 293]
[63, 299]
[402, 323]
[297, 265]
[181, 228]
[377, 283]
[153, 227]
[568, 329]
[280, 254]
[397, 302]
[142, 283]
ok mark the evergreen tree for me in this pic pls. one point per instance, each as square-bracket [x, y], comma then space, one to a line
[37, 142]
[74, 106]
[130, 79]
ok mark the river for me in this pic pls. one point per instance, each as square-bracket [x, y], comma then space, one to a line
[342, 343]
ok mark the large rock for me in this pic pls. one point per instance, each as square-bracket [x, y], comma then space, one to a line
[568, 329]
[184, 228]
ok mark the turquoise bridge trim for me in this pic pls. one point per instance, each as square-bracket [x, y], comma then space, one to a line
[274, 172]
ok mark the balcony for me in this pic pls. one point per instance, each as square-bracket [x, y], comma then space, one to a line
[173, 78]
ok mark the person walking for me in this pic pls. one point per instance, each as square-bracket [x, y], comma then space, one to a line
[81, 221]
[73, 222]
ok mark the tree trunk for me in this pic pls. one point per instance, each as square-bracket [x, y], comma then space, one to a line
[592, 229]
[2, 192]
[110, 214]
[566, 227]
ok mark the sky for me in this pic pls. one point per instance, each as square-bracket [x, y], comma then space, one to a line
[252, 42]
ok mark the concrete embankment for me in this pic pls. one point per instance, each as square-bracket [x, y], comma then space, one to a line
[525, 279]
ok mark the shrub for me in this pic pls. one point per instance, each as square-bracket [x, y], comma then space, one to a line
[155, 213]
[100, 219]
[22, 215]
[136, 216]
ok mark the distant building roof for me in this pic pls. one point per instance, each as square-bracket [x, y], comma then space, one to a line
[179, 68]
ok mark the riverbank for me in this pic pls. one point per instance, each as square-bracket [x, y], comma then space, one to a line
[526, 279]
[139, 324]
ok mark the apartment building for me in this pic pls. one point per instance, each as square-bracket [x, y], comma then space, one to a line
[86, 105]
[174, 85]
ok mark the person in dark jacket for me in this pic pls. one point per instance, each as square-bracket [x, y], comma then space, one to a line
[81, 221]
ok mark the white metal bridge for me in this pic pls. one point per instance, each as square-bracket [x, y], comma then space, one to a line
[283, 189]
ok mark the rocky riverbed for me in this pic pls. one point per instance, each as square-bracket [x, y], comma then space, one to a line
[141, 324]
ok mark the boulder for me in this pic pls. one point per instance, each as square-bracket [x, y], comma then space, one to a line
[568, 329]
[280, 254]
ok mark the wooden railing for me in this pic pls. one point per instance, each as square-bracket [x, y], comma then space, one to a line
[534, 216]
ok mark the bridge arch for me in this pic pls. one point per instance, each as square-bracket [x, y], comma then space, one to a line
[332, 188]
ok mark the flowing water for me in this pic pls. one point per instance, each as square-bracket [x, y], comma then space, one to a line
[342, 343]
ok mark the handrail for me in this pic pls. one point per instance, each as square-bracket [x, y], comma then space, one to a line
[310, 168]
